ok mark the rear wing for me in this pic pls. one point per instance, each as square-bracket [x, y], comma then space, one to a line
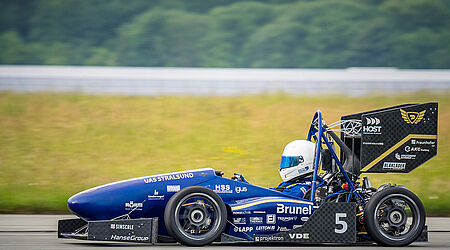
[394, 139]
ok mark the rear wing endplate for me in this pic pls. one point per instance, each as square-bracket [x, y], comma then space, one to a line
[395, 139]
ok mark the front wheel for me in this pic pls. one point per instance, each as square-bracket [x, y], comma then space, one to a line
[394, 217]
[195, 216]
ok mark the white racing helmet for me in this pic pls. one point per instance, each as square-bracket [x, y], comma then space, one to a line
[297, 160]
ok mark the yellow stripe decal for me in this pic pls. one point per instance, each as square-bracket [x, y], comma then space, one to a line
[389, 151]
[267, 201]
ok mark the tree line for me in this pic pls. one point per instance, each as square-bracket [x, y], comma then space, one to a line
[227, 33]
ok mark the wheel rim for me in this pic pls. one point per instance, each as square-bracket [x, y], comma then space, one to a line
[397, 216]
[197, 216]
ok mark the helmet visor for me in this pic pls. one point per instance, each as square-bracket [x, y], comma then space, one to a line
[290, 161]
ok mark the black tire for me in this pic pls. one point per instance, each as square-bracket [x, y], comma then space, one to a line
[394, 216]
[195, 216]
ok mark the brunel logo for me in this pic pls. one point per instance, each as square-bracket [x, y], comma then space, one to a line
[412, 117]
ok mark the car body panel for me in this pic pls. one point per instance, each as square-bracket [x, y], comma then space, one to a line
[256, 210]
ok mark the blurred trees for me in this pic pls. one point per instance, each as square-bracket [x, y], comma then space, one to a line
[225, 33]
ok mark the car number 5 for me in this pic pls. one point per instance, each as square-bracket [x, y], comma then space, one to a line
[340, 222]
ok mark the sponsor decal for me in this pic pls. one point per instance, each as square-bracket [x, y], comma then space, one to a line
[372, 126]
[155, 197]
[299, 236]
[265, 228]
[239, 221]
[243, 229]
[173, 188]
[375, 130]
[223, 189]
[286, 219]
[169, 177]
[282, 229]
[412, 117]
[303, 170]
[271, 218]
[415, 149]
[373, 143]
[394, 165]
[241, 212]
[372, 121]
[259, 212]
[269, 238]
[404, 157]
[296, 226]
[414, 141]
[129, 238]
[122, 226]
[240, 189]
[304, 218]
[284, 209]
[256, 220]
[133, 205]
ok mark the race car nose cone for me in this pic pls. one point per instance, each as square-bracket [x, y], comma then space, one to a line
[75, 204]
[79, 204]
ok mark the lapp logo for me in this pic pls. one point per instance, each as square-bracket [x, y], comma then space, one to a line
[243, 229]
[372, 121]
[412, 117]
[299, 236]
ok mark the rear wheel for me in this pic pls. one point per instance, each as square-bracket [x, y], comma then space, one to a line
[195, 216]
[394, 217]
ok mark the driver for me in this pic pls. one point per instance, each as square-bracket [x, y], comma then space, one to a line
[296, 168]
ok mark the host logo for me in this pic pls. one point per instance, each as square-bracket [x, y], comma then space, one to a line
[372, 129]
[372, 121]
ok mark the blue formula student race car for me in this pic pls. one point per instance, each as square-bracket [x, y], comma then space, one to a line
[332, 205]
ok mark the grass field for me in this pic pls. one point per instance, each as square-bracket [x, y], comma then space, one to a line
[55, 145]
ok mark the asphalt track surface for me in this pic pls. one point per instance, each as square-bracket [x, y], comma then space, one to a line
[39, 232]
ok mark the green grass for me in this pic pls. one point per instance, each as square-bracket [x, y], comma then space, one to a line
[55, 145]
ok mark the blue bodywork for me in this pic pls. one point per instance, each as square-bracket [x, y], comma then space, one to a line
[252, 209]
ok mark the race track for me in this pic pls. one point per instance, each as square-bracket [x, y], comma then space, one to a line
[39, 232]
